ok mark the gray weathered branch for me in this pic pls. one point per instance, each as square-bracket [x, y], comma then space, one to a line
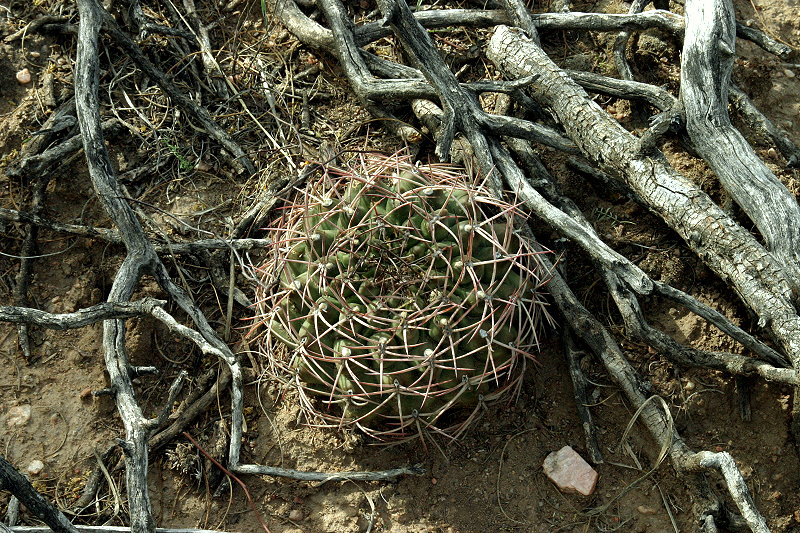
[80, 318]
[706, 65]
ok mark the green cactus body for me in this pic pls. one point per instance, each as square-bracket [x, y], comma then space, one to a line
[403, 299]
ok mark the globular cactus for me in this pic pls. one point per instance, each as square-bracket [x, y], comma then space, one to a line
[397, 297]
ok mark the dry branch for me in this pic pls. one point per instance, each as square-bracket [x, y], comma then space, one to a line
[11, 480]
[707, 62]
[141, 258]
[725, 247]
[107, 529]
[80, 318]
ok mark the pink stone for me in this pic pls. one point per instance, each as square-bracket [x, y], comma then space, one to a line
[24, 76]
[570, 472]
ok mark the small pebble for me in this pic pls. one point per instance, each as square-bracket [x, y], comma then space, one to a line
[646, 510]
[35, 467]
[18, 416]
[36, 55]
[24, 76]
[295, 515]
[689, 386]
[434, 481]
[570, 472]
[788, 73]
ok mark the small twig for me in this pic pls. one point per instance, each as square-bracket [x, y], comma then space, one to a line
[324, 477]
[581, 400]
[721, 321]
[12, 511]
[238, 481]
[174, 390]
[111, 484]
[38, 164]
[764, 41]
[114, 237]
[240, 161]
[621, 43]
[110, 529]
[758, 122]
[34, 26]
[193, 406]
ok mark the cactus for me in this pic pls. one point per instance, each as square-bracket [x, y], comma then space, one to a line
[397, 297]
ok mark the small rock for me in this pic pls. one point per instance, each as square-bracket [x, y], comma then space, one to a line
[646, 510]
[295, 515]
[36, 55]
[24, 76]
[18, 415]
[570, 472]
[789, 73]
[35, 467]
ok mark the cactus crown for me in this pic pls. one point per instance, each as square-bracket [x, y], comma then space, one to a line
[399, 293]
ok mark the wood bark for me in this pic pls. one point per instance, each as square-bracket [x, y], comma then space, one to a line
[707, 61]
[727, 248]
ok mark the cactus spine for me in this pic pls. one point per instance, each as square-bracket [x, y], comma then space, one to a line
[399, 295]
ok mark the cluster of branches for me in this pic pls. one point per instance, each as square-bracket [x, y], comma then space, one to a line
[764, 274]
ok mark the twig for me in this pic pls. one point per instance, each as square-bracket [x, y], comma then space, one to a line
[110, 529]
[621, 43]
[80, 318]
[658, 97]
[581, 400]
[27, 253]
[114, 237]
[764, 41]
[324, 477]
[38, 164]
[35, 25]
[238, 481]
[442, 18]
[756, 121]
[193, 406]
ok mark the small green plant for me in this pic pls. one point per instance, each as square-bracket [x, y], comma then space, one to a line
[396, 296]
[183, 162]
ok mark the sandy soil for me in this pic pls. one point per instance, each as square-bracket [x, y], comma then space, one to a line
[492, 480]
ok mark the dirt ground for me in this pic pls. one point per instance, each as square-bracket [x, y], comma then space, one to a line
[492, 479]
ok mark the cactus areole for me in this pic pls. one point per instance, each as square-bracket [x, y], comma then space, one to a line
[398, 298]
